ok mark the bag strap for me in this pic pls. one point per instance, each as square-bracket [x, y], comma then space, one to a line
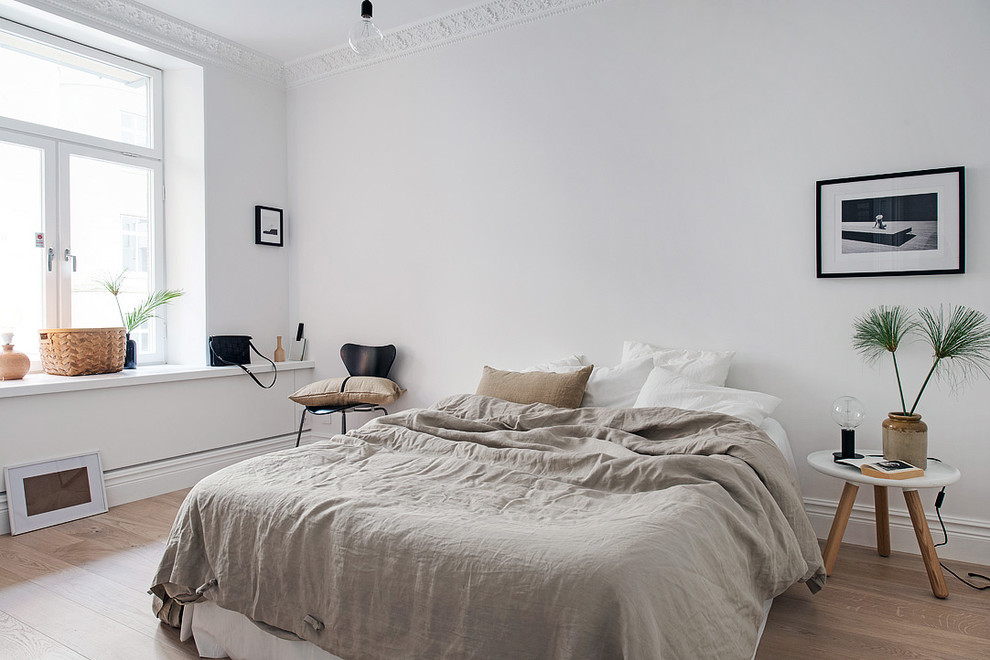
[271, 362]
[248, 371]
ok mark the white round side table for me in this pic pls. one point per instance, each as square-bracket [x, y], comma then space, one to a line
[937, 475]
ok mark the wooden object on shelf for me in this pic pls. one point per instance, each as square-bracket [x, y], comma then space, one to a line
[279, 351]
[13, 364]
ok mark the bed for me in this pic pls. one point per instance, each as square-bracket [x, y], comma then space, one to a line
[482, 528]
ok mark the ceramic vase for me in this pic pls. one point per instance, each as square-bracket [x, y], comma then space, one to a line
[279, 351]
[13, 364]
[905, 438]
[130, 353]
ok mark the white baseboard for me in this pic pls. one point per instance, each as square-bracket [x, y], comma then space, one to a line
[138, 482]
[969, 539]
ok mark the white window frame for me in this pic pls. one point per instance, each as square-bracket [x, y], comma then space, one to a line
[49, 149]
[156, 257]
[58, 146]
[155, 151]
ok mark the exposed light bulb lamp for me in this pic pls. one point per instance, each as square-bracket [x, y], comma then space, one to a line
[848, 413]
[365, 38]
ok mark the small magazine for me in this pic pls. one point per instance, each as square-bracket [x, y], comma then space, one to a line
[872, 467]
[891, 470]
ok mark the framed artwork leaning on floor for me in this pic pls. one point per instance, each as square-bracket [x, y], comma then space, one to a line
[53, 492]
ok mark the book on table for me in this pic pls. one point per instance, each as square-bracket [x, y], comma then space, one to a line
[874, 466]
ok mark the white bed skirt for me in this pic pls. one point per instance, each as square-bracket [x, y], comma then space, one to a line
[221, 633]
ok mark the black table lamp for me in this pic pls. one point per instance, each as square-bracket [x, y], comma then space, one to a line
[848, 412]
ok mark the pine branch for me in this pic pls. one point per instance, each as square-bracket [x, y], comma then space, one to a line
[880, 331]
[960, 344]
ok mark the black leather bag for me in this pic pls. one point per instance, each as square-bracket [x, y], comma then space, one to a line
[235, 351]
[226, 350]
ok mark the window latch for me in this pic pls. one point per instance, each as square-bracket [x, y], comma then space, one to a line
[51, 258]
[69, 255]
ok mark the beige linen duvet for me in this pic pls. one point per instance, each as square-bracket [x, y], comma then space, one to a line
[484, 529]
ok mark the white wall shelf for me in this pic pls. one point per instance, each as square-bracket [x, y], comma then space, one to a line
[41, 383]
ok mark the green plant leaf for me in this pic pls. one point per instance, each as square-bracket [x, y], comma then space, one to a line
[143, 312]
[960, 341]
[146, 310]
[881, 330]
[114, 285]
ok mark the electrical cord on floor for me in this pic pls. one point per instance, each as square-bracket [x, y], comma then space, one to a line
[945, 534]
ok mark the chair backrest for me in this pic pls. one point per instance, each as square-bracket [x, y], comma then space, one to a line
[368, 360]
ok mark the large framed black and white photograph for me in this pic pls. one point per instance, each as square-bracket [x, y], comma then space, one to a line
[268, 226]
[53, 492]
[908, 223]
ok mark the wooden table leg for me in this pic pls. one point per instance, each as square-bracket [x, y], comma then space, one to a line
[925, 543]
[883, 520]
[839, 525]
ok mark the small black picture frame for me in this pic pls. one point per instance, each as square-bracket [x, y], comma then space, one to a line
[268, 226]
[906, 223]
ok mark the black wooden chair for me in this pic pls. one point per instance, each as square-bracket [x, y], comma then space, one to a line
[361, 361]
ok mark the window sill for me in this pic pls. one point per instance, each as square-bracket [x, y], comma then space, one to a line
[164, 373]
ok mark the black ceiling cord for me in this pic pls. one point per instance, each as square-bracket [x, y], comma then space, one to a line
[938, 512]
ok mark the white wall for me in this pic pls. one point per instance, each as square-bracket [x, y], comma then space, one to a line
[247, 284]
[645, 170]
[230, 156]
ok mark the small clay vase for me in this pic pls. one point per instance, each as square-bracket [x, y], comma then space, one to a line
[905, 438]
[279, 351]
[13, 364]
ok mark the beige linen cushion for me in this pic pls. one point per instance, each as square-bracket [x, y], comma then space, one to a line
[562, 390]
[348, 391]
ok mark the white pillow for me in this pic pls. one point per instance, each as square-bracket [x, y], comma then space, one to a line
[608, 387]
[618, 386]
[561, 365]
[664, 388]
[711, 367]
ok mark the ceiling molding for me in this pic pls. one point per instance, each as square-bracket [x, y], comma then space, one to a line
[433, 33]
[157, 29]
[167, 32]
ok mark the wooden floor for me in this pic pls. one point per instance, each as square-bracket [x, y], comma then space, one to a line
[880, 607]
[79, 591]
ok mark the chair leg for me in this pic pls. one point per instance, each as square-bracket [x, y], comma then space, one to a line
[302, 420]
[343, 422]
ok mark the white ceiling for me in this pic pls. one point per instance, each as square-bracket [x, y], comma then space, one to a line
[290, 29]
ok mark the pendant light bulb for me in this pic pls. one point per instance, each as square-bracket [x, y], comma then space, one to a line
[365, 38]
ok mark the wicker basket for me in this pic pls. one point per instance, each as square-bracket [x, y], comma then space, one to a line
[82, 351]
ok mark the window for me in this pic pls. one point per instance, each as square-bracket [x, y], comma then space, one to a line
[80, 187]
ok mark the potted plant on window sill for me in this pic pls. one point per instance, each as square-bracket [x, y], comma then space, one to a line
[960, 343]
[141, 314]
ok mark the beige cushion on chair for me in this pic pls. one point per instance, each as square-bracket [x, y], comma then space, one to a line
[561, 390]
[347, 391]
